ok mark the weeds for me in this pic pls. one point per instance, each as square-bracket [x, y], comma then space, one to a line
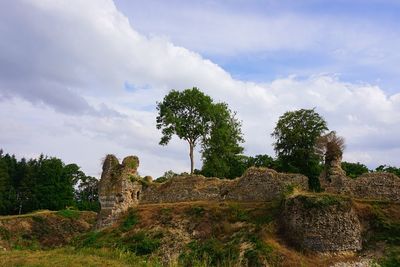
[131, 219]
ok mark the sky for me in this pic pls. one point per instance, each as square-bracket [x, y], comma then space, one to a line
[81, 79]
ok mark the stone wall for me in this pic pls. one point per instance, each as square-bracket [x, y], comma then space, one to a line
[121, 187]
[321, 223]
[377, 186]
[118, 188]
[257, 184]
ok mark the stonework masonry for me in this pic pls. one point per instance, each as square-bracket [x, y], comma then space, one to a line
[316, 222]
[321, 223]
[256, 184]
[117, 191]
[121, 188]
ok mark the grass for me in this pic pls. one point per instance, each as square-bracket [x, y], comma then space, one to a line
[227, 234]
[70, 214]
[211, 252]
[70, 257]
[27, 215]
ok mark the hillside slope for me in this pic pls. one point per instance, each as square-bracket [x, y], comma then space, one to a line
[189, 234]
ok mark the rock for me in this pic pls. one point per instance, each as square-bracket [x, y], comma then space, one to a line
[321, 223]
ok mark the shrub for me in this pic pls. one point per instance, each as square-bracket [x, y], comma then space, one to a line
[142, 244]
[210, 252]
[130, 220]
[391, 258]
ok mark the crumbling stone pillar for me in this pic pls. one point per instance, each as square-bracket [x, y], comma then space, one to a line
[119, 188]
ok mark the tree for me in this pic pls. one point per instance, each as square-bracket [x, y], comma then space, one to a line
[86, 194]
[354, 170]
[186, 114]
[296, 134]
[330, 147]
[390, 169]
[223, 144]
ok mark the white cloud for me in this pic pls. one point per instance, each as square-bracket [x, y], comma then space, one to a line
[78, 57]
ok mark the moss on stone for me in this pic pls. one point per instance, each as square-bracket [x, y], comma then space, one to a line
[131, 162]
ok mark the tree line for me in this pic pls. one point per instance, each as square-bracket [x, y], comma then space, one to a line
[302, 139]
[44, 183]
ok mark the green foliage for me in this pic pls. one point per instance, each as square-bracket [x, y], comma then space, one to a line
[186, 114]
[288, 190]
[167, 175]
[86, 194]
[238, 164]
[131, 219]
[141, 243]
[385, 228]
[391, 258]
[389, 169]
[260, 253]
[223, 144]
[71, 214]
[68, 256]
[4, 233]
[237, 214]
[354, 170]
[44, 183]
[296, 134]
[321, 201]
[210, 252]
[196, 211]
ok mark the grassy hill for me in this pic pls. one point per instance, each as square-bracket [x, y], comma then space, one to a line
[186, 234]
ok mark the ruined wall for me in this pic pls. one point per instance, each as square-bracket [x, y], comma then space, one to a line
[321, 223]
[257, 184]
[118, 188]
[377, 185]
[262, 184]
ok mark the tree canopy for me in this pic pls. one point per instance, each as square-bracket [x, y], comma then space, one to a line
[354, 170]
[223, 143]
[186, 114]
[195, 118]
[43, 183]
[296, 134]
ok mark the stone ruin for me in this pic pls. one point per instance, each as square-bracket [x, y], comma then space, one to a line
[321, 223]
[377, 185]
[117, 191]
[316, 222]
[121, 187]
[256, 184]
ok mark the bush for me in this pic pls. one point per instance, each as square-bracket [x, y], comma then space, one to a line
[142, 244]
[211, 252]
[391, 258]
[130, 220]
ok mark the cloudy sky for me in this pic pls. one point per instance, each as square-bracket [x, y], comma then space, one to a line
[80, 79]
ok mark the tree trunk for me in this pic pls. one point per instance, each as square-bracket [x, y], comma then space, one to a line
[191, 157]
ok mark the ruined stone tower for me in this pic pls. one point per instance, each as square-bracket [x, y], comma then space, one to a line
[119, 188]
